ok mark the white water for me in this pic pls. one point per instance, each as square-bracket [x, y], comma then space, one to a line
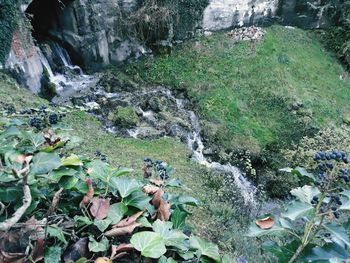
[68, 83]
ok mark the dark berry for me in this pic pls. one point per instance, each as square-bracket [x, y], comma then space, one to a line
[334, 208]
[37, 123]
[336, 214]
[315, 198]
[53, 118]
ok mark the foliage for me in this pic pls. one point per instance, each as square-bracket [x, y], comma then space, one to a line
[247, 97]
[126, 117]
[8, 23]
[81, 207]
[314, 224]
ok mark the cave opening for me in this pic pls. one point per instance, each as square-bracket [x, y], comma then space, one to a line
[44, 17]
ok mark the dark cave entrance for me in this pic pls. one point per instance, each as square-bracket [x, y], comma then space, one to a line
[44, 17]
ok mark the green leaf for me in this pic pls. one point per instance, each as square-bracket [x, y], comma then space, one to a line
[186, 255]
[102, 225]
[11, 131]
[101, 246]
[205, 248]
[10, 194]
[122, 171]
[144, 221]
[173, 238]
[298, 209]
[163, 259]
[327, 252]
[138, 199]
[51, 148]
[68, 182]
[178, 218]
[305, 193]
[36, 139]
[116, 212]
[56, 175]
[150, 244]
[45, 162]
[72, 160]
[338, 232]
[299, 171]
[82, 220]
[174, 183]
[255, 231]
[125, 186]
[99, 170]
[53, 254]
[55, 231]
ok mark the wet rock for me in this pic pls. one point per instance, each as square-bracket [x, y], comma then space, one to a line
[126, 117]
[251, 33]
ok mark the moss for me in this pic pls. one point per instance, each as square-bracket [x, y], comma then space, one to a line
[48, 89]
[8, 24]
[126, 117]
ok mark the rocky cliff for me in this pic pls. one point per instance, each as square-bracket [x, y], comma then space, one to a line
[101, 32]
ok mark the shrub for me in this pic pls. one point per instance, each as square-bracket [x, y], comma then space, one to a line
[313, 226]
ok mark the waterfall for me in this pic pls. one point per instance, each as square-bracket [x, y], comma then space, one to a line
[67, 83]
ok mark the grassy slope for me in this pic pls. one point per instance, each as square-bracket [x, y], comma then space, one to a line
[248, 93]
[130, 153]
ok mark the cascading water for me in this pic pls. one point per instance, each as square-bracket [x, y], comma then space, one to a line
[70, 82]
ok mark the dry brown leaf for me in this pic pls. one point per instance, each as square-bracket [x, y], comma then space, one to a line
[28, 159]
[12, 257]
[38, 251]
[121, 231]
[163, 211]
[89, 195]
[76, 251]
[99, 208]
[120, 255]
[55, 201]
[150, 189]
[156, 182]
[265, 223]
[103, 260]
[157, 198]
[147, 171]
[129, 220]
[121, 248]
[20, 158]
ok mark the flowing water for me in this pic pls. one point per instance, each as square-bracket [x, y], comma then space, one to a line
[71, 84]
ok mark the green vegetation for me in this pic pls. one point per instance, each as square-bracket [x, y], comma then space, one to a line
[126, 117]
[314, 226]
[248, 95]
[106, 215]
[8, 23]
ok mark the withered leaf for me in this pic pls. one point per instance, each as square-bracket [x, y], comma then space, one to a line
[99, 208]
[156, 182]
[129, 220]
[265, 223]
[103, 260]
[163, 211]
[150, 189]
[121, 231]
[76, 251]
[157, 198]
[89, 195]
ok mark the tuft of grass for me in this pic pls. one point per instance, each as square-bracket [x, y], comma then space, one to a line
[248, 93]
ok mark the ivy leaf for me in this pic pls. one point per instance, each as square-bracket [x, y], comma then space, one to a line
[150, 244]
[54, 231]
[205, 248]
[138, 199]
[99, 208]
[116, 212]
[102, 225]
[122, 171]
[178, 218]
[10, 194]
[45, 162]
[53, 254]
[68, 182]
[299, 171]
[339, 234]
[101, 246]
[98, 170]
[56, 175]
[125, 186]
[36, 139]
[255, 231]
[305, 193]
[82, 220]
[72, 160]
[327, 252]
[298, 209]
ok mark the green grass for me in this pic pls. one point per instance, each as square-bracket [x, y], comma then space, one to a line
[248, 93]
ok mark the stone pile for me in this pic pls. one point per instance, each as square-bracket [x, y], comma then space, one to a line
[251, 33]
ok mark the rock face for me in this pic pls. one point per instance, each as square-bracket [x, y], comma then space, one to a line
[223, 14]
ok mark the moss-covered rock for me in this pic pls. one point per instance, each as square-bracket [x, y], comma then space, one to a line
[126, 117]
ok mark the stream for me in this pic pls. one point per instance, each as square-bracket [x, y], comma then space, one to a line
[183, 122]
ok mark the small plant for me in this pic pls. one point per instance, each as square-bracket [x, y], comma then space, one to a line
[313, 224]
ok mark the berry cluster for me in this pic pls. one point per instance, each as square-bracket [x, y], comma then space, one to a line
[333, 155]
[103, 157]
[332, 207]
[159, 166]
[9, 109]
